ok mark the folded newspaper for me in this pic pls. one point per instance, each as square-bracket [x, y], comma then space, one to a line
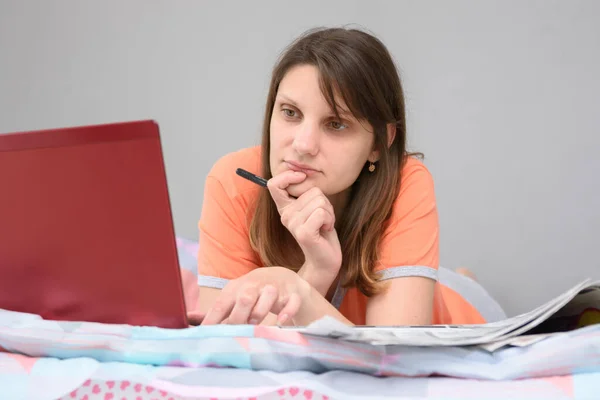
[575, 308]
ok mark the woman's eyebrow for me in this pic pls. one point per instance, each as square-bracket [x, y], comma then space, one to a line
[341, 111]
[287, 99]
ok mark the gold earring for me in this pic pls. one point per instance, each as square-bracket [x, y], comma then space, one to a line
[371, 167]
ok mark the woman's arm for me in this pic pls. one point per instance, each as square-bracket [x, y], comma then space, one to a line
[409, 254]
[406, 301]
[315, 307]
[319, 278]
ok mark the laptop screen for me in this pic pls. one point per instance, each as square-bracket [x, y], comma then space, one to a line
[86, 230]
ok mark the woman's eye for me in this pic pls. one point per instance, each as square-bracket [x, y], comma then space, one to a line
[289, 113]
[336, 125]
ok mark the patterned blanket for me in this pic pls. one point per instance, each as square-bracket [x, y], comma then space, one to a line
[51, 359]
[41, 359]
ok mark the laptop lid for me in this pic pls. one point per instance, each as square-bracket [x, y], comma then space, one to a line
[86, 231]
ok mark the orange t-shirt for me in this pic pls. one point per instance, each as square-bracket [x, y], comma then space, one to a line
[409, 246]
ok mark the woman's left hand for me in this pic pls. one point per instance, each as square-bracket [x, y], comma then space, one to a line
[310, 219]
[250, 298]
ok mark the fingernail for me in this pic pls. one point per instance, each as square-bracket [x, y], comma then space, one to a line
[253, 321]
[281, 320]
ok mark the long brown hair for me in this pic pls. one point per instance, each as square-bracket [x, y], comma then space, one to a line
[358, 68]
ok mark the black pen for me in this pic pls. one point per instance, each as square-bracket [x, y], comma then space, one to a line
[251, 177]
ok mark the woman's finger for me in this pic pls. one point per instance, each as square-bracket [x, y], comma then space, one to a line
[220, 309]
[244, 303]
[290, 309]
[310, 232]
[266, 300]
[278, 184]
[308, 196]
[301, 216]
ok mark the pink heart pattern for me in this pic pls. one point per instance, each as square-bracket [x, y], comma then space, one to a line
[113, 392]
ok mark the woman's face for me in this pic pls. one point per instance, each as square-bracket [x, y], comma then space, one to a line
[306, 136]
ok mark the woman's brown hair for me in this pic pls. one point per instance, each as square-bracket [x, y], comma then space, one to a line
[358, 69]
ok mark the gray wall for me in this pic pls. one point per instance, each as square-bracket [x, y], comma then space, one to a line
[503, 99]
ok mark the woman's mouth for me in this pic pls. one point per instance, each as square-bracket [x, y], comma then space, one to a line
[298, 167]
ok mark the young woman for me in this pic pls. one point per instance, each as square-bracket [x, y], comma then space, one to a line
[348, 225]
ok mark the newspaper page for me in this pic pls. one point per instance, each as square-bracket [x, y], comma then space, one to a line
[490, 336]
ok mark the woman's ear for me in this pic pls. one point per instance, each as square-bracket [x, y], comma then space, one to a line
[374, 156]
[391, 134]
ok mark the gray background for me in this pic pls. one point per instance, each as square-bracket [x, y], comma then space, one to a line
[503, 99]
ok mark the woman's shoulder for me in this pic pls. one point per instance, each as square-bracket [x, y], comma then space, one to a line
[416, 189]
[411, 235]
[414, 167]
[224, 169]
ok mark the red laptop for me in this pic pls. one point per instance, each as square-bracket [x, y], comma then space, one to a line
[86, 232]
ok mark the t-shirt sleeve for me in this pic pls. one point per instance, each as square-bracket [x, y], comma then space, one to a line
[224, 245]
[410, 244]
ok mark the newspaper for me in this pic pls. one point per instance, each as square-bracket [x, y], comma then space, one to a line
[560, 314]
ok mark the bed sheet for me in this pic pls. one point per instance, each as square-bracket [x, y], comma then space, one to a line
[49, 378]
[42, 359]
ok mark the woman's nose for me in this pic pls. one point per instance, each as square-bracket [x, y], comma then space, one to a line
[306, 140]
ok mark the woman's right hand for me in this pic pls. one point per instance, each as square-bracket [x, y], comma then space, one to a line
[310, 218]
[251, 297]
